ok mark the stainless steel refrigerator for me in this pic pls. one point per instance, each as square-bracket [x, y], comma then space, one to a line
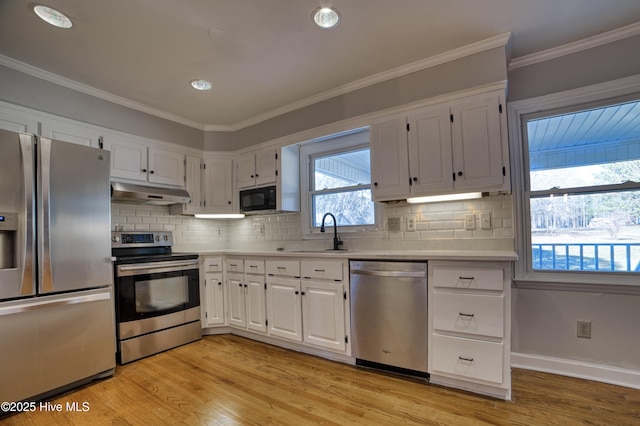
[56, 281]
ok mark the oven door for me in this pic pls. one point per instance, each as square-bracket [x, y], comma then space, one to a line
[156, 288]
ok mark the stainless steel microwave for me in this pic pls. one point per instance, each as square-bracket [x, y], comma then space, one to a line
[258, 199]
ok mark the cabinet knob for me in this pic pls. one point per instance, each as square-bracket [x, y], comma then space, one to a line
[297, 292]
[240, 285]
[459, 173]
[252, 176]
[415, 179]
[375, 183]
[219, 283]
[151, 171]
[245, 286]
[257, 175]
[228, 202]
[144, 170]
[302, 293]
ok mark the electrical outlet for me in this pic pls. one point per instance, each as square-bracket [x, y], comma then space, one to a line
[411, 223]
[470, 222]
[584, 329]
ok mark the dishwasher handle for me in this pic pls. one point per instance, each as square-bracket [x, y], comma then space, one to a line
[381, 273]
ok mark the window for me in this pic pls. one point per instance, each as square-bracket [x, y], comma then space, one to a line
[582, 189]
[339, 179]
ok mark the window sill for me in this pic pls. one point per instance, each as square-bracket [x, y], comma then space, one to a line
[602, 284]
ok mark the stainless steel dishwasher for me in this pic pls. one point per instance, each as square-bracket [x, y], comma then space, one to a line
[389, 315]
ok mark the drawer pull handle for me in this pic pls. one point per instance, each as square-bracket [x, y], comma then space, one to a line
[319, 270]
[466, 315]
[466, 278]
[461, 358]
[280, 267]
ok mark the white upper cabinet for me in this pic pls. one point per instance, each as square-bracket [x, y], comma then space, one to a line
[17, 120]
[389, 159]
[193, 185]
[218, 186]
[135, 161]
[446, 148]
[257, 168]
[478, 158]
[71, 132]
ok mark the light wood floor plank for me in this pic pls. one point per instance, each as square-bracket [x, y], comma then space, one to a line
[228, 380]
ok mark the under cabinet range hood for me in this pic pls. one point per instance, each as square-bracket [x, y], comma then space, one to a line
[139, 194]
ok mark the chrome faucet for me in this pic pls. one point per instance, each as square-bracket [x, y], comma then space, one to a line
[336, 241]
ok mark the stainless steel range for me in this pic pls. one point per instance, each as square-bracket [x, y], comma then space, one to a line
[157, 294]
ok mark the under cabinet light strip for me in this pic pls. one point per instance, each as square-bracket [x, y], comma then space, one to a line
[448, 197]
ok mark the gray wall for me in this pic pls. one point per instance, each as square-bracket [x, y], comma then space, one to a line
[544, 320]
[488, 67]
[603, 63]
[31, 92]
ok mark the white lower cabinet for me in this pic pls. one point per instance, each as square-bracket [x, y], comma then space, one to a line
[245, 285]
[306, 302]
[470, 326]
[213, 300]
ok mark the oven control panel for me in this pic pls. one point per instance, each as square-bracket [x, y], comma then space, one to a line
[123, 239]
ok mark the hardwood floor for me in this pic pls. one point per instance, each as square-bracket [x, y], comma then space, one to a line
[228, 380]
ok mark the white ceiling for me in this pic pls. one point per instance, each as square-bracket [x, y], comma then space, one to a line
[265, 55]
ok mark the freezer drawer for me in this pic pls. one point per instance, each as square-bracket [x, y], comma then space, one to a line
[52, 342]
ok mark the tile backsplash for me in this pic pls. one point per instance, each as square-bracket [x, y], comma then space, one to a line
[437, 226]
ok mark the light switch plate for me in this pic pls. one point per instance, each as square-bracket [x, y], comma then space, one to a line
[485, 221]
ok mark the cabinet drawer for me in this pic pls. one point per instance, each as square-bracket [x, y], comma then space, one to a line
[469, 313]
[286, 268]
[468, 358]
[471, 278]
[233, 265]
[253, 266]
[322, 270]
[212, 264]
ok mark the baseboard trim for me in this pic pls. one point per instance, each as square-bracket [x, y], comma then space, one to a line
[578, 369]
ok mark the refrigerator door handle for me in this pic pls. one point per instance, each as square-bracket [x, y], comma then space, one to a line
[26, 149]
[44, 193]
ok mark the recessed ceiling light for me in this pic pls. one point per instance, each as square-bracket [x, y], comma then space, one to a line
[326, 17]
[201, 84]
[52, 16]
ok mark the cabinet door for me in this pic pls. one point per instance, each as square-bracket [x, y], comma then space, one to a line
[166, 167]
[283, 308]
[255, 295]
[477, 145]
[323, 314]
[430, 151]
[266, 166]
[218, 185]
[236, 308]
[389, 160]
[17, 121]
[128, 160]
[193, 184]
[246, 170]
[214, 300]
[68, 132]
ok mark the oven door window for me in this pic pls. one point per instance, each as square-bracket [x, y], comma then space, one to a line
[161, 295]
[150, 295]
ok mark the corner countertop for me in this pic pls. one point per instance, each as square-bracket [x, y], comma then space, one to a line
[478, 255]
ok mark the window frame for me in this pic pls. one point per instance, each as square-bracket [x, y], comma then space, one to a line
[325, 146]
[598, 95]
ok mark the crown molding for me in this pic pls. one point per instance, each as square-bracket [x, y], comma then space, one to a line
[578, 46]
[477, 47]
[432, 61]
[92, 91]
